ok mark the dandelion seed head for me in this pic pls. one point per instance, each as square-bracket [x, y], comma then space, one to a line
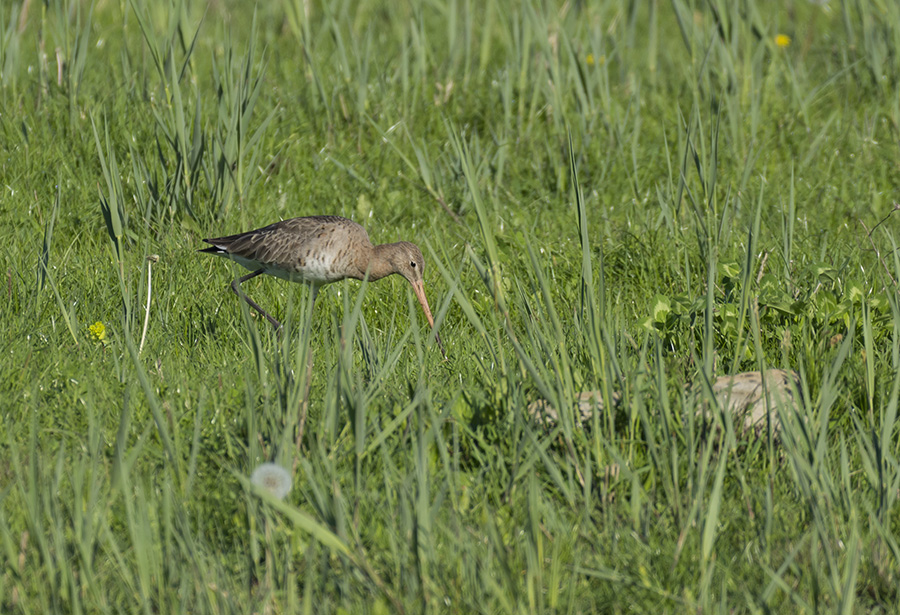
[273, 478]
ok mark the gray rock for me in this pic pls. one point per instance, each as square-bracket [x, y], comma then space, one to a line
[743, 394]
[750, 400]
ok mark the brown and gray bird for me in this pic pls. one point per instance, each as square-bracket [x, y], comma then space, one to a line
[319, 250]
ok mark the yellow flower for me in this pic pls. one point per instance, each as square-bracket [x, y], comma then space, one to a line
[782, 40]
[591, 60]
[98, 331]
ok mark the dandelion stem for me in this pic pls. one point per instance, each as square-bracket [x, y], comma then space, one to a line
[150, 260]
[270, 565]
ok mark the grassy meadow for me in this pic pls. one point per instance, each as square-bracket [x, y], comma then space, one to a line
[624, 196]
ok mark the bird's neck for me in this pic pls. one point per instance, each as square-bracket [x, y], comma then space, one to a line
[380, 262]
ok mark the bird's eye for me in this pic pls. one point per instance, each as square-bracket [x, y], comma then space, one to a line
[412, 264]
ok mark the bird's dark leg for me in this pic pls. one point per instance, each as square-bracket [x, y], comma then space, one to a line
[304, 405]
[236, 287]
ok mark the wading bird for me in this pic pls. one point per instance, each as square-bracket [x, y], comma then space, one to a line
[319, 250]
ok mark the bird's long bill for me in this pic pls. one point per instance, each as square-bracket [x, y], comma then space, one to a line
[419, 288]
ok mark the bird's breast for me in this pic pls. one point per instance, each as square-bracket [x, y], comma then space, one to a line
[312, 267]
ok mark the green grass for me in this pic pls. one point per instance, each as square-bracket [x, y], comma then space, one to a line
[618, 196]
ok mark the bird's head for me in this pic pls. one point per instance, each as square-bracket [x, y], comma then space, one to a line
[406, 259]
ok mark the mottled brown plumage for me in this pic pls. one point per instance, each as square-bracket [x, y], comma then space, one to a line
[318, 250]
